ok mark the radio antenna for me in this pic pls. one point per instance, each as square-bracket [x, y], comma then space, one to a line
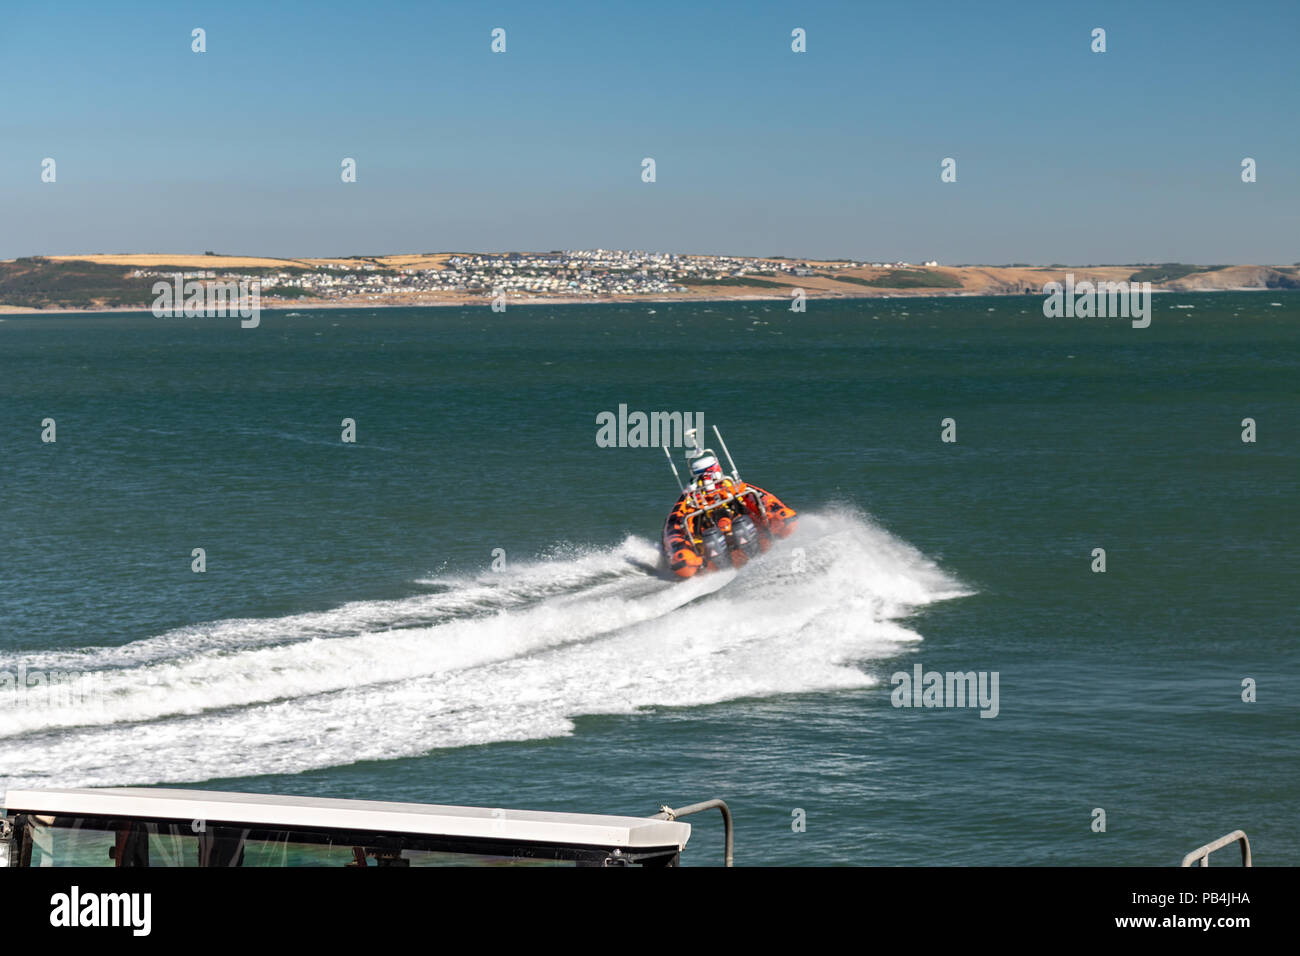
[734, 474]
[668, 455]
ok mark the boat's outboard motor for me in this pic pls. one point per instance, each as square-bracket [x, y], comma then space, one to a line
[715, 545]
[744, 535]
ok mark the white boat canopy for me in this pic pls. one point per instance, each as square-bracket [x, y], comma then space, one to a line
[265, 810]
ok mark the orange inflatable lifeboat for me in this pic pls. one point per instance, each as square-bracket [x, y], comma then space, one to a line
[719, 520]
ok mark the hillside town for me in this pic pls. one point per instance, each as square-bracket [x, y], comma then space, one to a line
[130, 281]
[594, 273]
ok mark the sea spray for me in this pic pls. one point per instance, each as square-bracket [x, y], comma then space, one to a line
[535, 647]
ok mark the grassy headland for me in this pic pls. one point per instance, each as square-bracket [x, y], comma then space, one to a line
[126, 281]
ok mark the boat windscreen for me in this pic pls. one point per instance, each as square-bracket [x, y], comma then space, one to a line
[66, 840]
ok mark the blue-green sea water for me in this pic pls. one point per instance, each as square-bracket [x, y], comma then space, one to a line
[350, 637]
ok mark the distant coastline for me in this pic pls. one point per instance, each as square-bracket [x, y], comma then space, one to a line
[123, 283]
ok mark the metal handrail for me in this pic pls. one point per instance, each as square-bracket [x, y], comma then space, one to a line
[1203, 853]
[749, 490]
[668, 813]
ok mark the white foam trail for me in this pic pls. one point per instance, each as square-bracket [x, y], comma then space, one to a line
[458, 596]
[508, 656]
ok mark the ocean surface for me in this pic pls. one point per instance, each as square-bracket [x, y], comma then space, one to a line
[350, 636]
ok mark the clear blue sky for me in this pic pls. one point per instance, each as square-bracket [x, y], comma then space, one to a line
[1062, 155]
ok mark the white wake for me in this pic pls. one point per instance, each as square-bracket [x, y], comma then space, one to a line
[513, 655]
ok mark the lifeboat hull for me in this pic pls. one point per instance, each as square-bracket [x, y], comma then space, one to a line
[692, 530]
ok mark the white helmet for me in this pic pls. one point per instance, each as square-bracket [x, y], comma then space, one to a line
[706, 466]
